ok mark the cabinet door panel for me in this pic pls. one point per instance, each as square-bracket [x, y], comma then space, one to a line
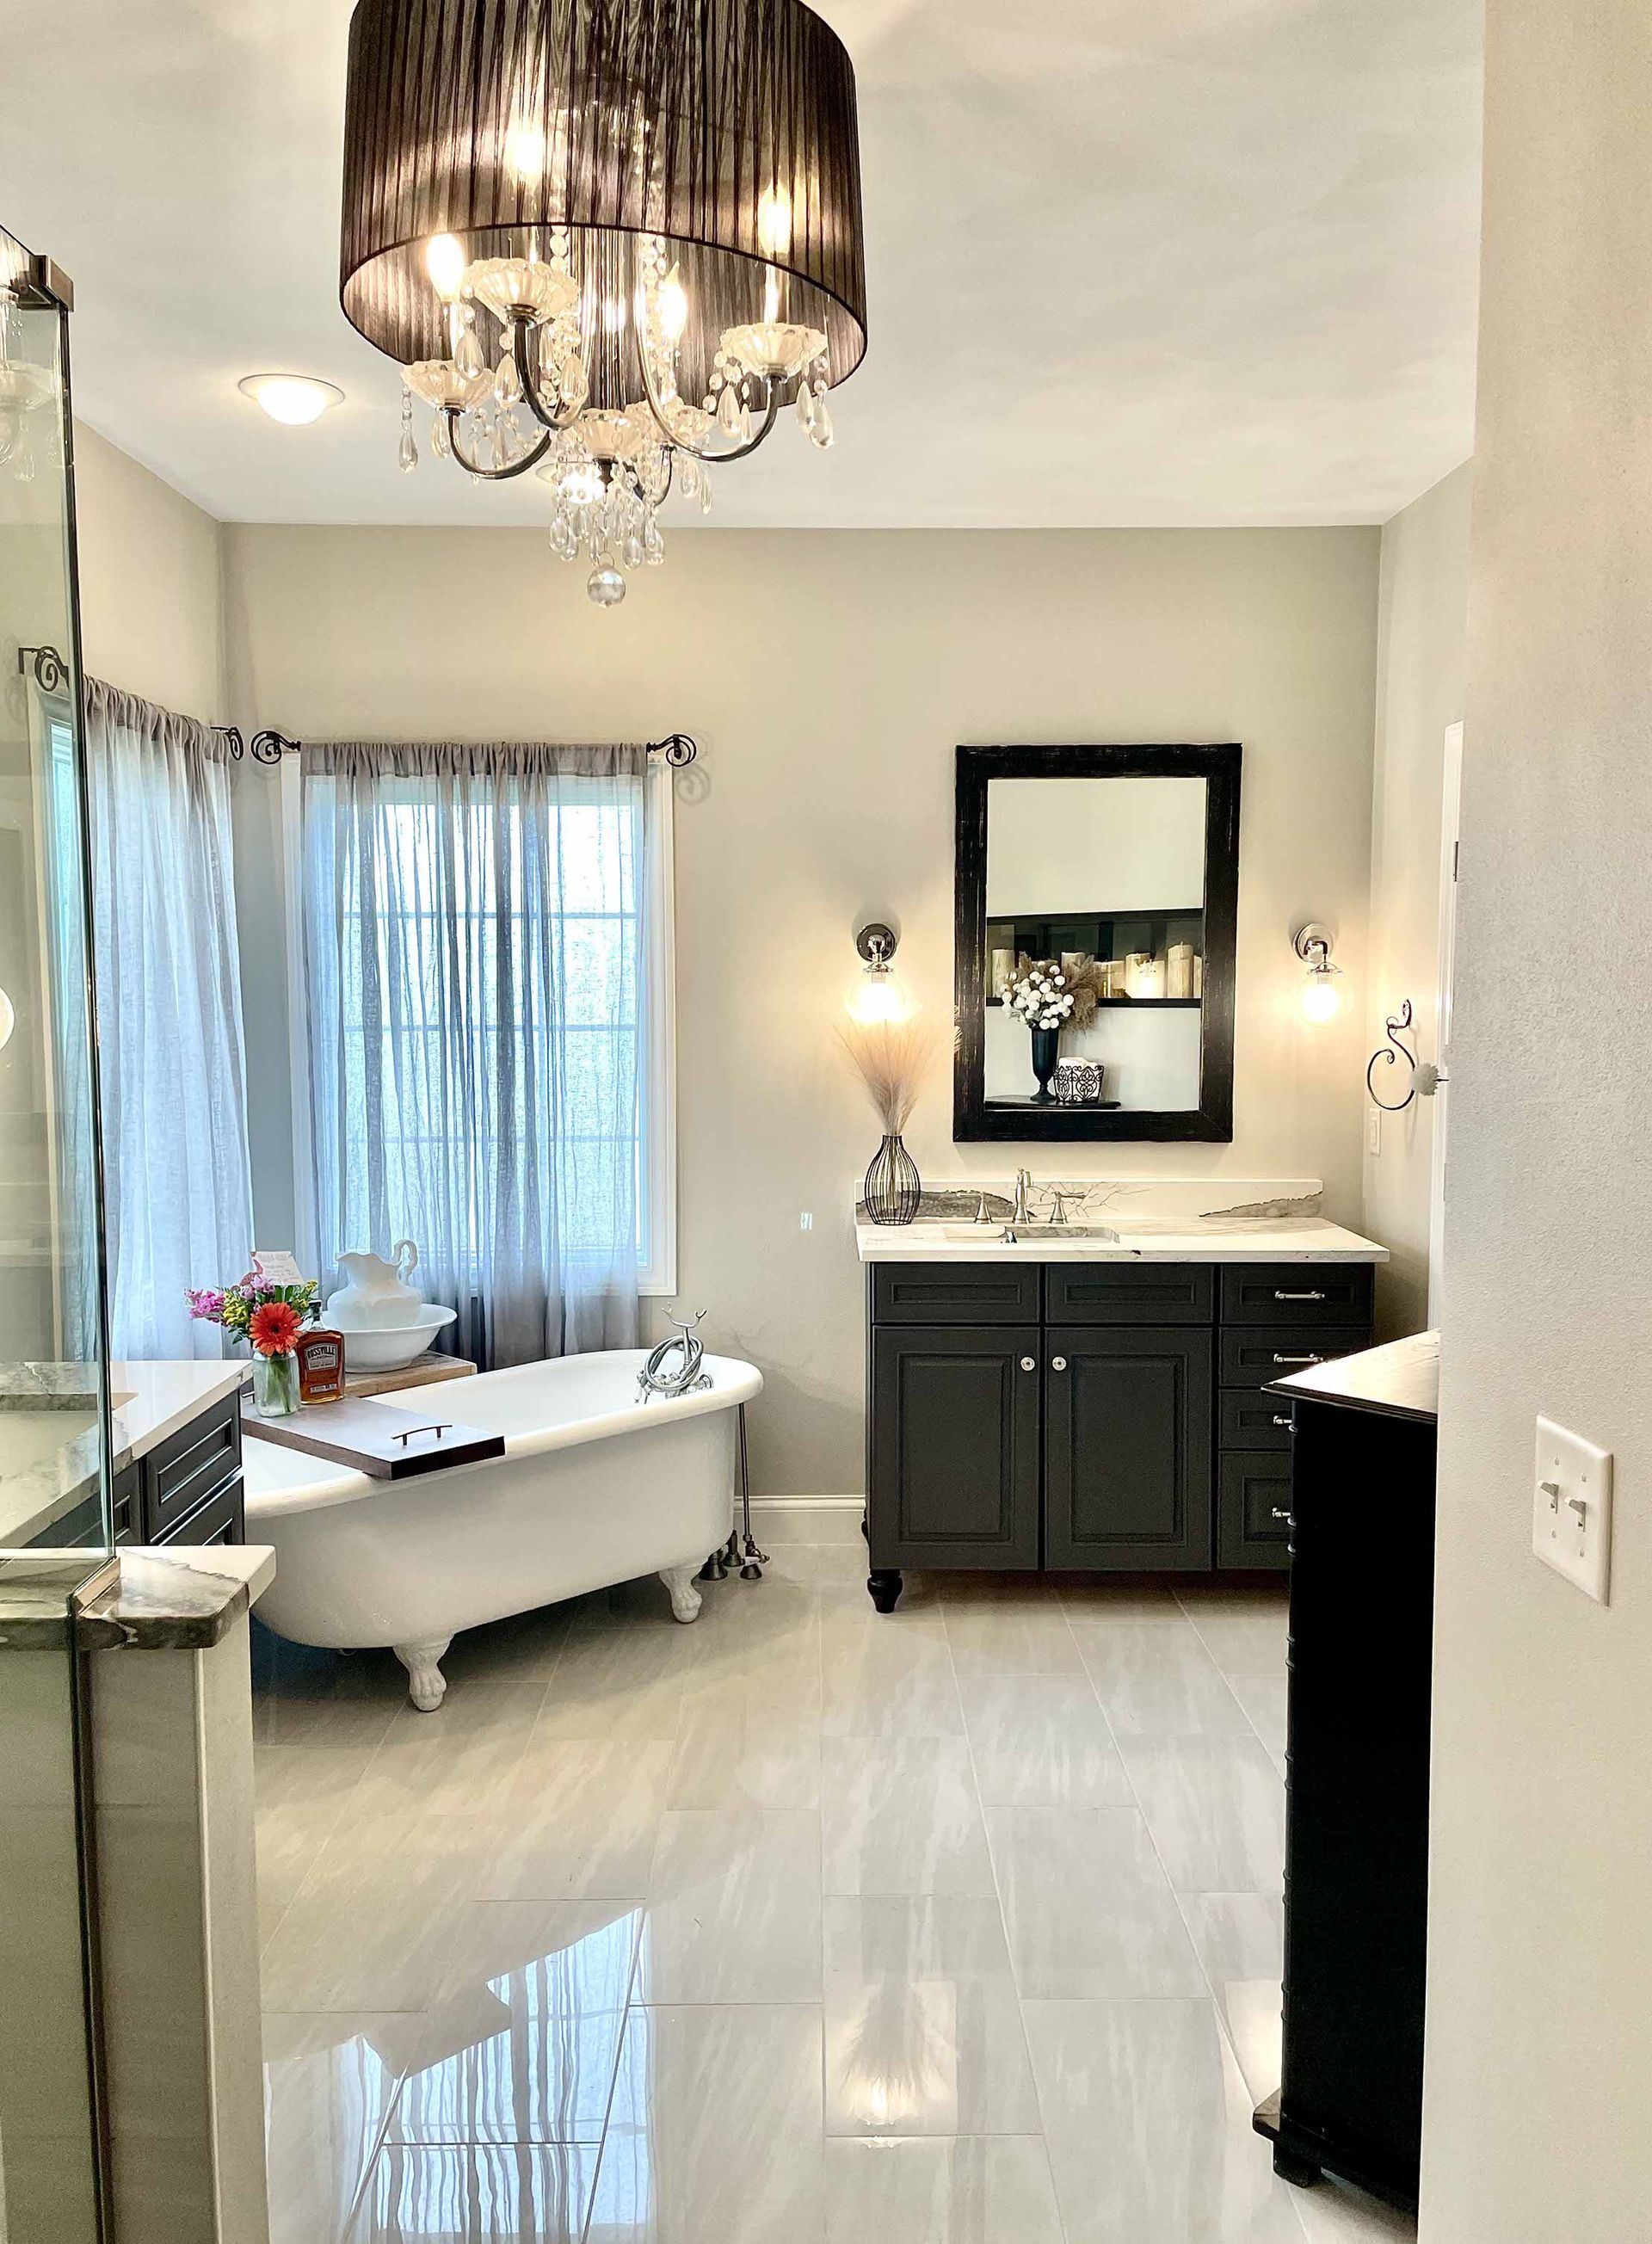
[1127, 1457]
[955, 1447]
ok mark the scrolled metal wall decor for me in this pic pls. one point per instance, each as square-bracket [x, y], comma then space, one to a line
[1396, 1026]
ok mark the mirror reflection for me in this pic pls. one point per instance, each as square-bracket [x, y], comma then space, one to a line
[1093, 971]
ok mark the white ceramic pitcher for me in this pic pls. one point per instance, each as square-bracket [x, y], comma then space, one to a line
[375, 1295]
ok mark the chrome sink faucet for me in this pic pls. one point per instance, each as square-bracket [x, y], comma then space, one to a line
[1023, 1186]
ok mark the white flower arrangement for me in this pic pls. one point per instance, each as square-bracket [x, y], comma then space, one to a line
[1043, 999]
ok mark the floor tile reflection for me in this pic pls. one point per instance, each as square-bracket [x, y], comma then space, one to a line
[802, 1925]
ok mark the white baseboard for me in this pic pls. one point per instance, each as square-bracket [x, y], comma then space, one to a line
[808, 1519]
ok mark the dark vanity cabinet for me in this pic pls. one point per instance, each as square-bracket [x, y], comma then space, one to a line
[1090, 1416]
[187, 1490]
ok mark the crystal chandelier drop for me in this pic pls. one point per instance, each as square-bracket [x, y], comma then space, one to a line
[609, 242]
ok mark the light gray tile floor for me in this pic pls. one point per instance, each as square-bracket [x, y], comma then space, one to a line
[793, 1927]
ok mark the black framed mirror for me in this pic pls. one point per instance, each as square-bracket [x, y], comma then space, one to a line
[1097, 894]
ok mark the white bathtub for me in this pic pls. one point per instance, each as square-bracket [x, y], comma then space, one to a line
[594, 1487]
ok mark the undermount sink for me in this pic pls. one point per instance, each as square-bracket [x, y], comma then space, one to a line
[991, 1233]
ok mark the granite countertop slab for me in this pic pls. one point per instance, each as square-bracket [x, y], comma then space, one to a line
[1156, 1220]
[173, 1600]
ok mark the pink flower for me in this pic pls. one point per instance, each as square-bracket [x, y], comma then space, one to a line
[206, 1302]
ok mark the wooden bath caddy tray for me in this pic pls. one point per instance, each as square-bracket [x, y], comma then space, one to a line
[374, 1438]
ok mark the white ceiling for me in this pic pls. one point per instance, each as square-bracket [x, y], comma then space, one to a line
[1130, 261]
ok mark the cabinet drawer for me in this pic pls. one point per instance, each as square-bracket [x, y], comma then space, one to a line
[955, 1294]
[1296, 1293]
[1252, 1356]
[218, 1520]
[1128, 1293]
[1253, 1510]
[126, 1500]
[189, 1465]
[1249, 1419]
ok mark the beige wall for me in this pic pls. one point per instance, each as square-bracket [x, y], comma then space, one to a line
[830, 677]
[1422, 618]
[1539, 2002]
[151, 616]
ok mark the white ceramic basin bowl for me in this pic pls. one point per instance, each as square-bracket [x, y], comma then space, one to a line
[388, 1347]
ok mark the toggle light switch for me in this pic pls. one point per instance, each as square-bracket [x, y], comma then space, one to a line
[1572, 1508]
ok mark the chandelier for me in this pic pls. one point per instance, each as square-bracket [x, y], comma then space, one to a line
[609, 242]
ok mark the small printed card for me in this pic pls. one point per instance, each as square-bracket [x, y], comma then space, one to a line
[277, 1266]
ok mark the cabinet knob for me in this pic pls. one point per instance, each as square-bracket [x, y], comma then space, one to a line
[1058, 1363]
[1028, 1364]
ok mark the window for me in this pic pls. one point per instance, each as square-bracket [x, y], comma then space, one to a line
[486, 1013]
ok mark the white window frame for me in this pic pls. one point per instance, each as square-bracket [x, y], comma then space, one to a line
[657, 1126]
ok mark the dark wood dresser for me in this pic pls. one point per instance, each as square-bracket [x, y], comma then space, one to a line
[1362, 1447]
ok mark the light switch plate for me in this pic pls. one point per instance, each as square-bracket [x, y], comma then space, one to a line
[1572, 1508]
[1374, 1130]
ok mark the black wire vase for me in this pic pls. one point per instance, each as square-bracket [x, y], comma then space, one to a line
[893, 1186]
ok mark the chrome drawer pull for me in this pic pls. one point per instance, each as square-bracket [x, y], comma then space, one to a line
[1281, 1295]
[1297, 1359]
[1278, 1420]
[1027, 1363]
[1277, 1514]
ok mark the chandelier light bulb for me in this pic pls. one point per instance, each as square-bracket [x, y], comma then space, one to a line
[525, 155]
[674, 308]
[773, 222]
[445, 262]
[292, 399]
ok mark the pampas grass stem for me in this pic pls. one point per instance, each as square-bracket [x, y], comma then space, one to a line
[890, 1057]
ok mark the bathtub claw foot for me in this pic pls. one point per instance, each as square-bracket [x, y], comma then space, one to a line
[426, 1684]
[686, 1600]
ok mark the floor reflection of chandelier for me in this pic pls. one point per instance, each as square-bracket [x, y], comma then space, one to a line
[609, 241]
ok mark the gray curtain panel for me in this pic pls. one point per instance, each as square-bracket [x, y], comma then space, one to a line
[474, 947]
[172, 1055]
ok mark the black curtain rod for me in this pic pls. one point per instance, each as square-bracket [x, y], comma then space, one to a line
[267, 746]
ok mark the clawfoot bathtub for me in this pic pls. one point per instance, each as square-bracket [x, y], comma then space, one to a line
[594, 1487]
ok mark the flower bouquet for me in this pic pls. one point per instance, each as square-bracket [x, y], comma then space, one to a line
[1044, 1000]
[269, 1318]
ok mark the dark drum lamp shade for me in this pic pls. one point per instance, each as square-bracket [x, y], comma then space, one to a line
[726, 127]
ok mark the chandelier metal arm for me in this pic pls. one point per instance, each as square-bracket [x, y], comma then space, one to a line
[553, 417]
[650, 388]
[530, 459]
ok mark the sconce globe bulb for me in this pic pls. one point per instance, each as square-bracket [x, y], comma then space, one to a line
[1320, 995]
[877, 997]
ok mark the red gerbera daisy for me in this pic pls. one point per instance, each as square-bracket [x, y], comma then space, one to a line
[274, 1327]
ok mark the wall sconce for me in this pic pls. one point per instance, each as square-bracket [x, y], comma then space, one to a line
[878, 994]
[1319, 996]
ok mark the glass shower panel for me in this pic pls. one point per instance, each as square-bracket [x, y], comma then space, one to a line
[54, 1402]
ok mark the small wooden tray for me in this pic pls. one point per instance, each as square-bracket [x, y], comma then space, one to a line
[377, 1439]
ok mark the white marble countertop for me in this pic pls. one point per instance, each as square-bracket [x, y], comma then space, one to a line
[48, 1431]
[163, 1396]
[1308, 1239]
[1155, 1220]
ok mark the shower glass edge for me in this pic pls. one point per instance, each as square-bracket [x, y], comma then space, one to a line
[56, 1545]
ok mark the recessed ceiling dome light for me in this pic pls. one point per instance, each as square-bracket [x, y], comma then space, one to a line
[293, 398]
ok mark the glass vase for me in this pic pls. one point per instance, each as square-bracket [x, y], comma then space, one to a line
[275, 1385]
[893, 1186]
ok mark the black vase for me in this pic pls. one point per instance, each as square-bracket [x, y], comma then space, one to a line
[1046, 1050]
[893, 1186]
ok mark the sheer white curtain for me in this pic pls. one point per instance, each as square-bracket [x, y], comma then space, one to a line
[473, 948]
[170, 1052]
